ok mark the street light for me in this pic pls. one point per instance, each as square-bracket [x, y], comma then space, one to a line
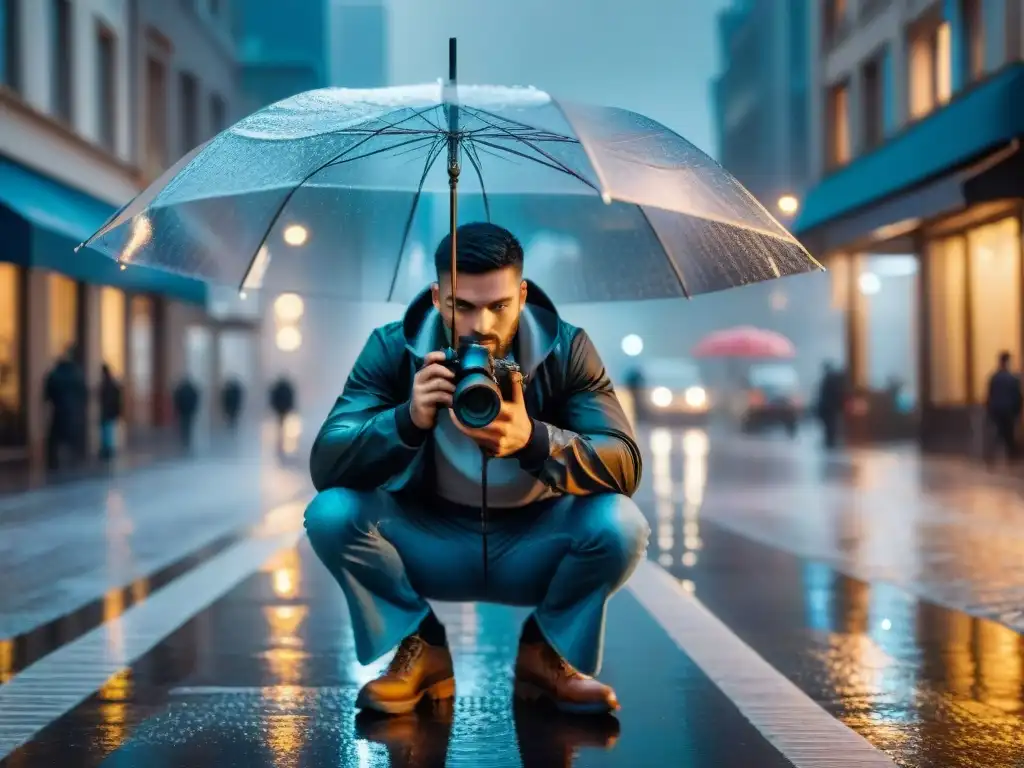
[788, 204]
[632, 345]
[295, 234]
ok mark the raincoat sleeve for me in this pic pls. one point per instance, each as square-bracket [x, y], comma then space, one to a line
[592, 448]
[369, 437]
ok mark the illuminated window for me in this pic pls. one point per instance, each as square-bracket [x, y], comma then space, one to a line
[10, 359]
[142, 355]
[63, 295]
[838, 126]
[947, 316]
[929, 68]
[995, 274]
[112, 330]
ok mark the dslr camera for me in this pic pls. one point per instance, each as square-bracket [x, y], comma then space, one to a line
[481, 382]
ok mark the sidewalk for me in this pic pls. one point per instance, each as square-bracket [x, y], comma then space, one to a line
[152, 451]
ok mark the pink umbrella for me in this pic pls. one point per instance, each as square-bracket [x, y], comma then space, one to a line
[745, 342]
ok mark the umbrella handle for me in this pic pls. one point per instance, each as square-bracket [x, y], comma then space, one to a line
[453, 166]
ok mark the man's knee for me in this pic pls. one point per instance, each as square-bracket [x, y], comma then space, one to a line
[614, 524]
[333, 515]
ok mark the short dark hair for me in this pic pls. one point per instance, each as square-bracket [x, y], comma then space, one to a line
[480, 247]
[1004, 358]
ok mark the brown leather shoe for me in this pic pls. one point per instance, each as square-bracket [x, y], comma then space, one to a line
[418, 670]
[542, 673]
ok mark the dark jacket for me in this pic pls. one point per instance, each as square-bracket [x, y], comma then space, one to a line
[1004, 395]
[582, 442]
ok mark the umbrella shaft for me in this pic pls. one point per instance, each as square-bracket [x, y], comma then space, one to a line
[453, 226]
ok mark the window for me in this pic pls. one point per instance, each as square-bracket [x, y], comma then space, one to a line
[838, 126]
[947, 321]
[929, 68]
[11, 412]
[835, 17]
[218, 113]
[113, 326]
[155, 151]
[973, 27]
[142, 359]
[873, 105]
[10, 29]
[189, 111]
[60, 61]
[106, 72]
[994, 279]
[63, 298]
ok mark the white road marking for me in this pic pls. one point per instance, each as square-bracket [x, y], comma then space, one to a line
[57, 683]
[802, 731]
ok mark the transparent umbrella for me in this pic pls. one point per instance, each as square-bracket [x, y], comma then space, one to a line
[345, 193]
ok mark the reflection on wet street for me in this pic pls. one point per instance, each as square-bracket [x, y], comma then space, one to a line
[883, 586]
[930, 685]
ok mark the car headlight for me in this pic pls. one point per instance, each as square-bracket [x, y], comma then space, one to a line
[661, 397]
[696, 397]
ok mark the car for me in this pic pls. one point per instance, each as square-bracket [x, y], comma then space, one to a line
[772, 399]
[668, 391]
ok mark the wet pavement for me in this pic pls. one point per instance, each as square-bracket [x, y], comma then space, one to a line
[831, 569]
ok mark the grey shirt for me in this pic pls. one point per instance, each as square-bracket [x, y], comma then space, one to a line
[459, 462]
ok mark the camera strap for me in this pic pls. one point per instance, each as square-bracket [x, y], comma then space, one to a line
[483, 508]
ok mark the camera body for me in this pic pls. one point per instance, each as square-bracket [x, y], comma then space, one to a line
[481, 382]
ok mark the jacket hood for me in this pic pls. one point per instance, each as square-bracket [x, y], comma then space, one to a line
[538, 328]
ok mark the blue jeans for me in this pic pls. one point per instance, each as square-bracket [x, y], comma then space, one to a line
[564, 557]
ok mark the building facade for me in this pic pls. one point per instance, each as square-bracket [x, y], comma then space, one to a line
[90, 111]
[282, 53]
[761, 101]
[358, 43]
[918, 112]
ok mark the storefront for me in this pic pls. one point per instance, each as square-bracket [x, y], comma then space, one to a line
[12, 344]
[53, 300]
[974, 294]
[944, 196]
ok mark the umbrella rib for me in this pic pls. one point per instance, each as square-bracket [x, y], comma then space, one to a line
[475, 162]
[537, 149]
[381, 150]
[476, 111]
[538, 161]
[668, 254]
[307, 177]
[432, 156]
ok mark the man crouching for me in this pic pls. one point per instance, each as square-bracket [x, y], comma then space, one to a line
[397, 519]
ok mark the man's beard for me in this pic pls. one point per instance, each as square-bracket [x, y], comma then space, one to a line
[499, 347]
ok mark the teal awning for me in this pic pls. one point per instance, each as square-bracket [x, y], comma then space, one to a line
[983, 118]
[41, 222]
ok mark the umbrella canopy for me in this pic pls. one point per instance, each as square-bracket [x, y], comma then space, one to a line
[745, 343]
[345, 192]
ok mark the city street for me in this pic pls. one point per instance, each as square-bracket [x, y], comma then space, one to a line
[797, 609]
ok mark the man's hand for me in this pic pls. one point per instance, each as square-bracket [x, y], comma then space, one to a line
[511, 429]
[432, 388]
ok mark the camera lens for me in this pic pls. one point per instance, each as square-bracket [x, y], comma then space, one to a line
[477, 400]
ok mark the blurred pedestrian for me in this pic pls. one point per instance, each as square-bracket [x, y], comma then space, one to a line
[65, 390]
[111, 409]
[831, 400]
[282, 403]
[186, 405]
[1003, 409]
[232, 397]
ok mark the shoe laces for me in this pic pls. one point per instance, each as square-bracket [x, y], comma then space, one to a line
[557, 665]
[408, 652]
